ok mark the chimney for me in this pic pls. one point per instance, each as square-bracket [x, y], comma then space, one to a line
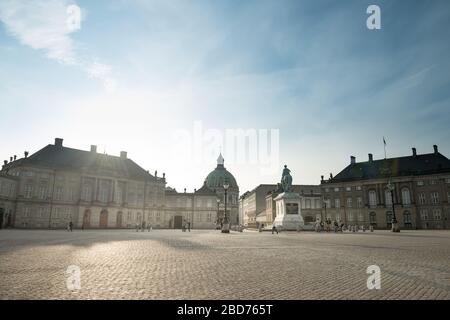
[370, 157]
[164, 175]
[10, 159]
[414, 152]
[321, 178]
[123, 154]
[5, 162]
[331, 175]
[184, 190]
[352, 160]
[59, 143]
[93, 148]
[15, 157]
[435, 147]
[26, 154]
[156, 173]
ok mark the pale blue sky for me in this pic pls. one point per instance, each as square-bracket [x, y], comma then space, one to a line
[140, 70]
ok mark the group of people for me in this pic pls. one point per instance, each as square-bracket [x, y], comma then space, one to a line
[186, 226]
[327, 226]
[143, 226]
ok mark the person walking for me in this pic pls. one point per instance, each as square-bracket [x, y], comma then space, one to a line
[70, 226]
[189, 226]
[274, 229]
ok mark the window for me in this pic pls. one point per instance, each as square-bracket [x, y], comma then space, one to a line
[361, 216]
[327, 190]
[448, 196]
[336, 189]
[373, 218]
[318, 203]
[348, 189]
[86, 192]
[437, 214]
[42, 192]
[104, 194]
[28, 191]
[199, 203]
[337, 203]
[447, 180]
[350, 216]
[27, 212]
[59, 193]
[119, 195]
[349, 202]
[422, 199]
[372, 198]
[420, 183]
[433, 182]
[407, 219]
[359, 202]
[358, 188]
[209, 217]
[388, 198]
[308, 203]
[41, 212]
[434, 197]
[389, 217]
[338, 217]
[424, 214]
[406, 197]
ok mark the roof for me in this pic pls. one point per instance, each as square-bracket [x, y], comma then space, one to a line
[414, 165]
[63, 158]
[217, 178]
[205, 191]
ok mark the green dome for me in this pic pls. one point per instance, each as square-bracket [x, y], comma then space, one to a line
[217, 178]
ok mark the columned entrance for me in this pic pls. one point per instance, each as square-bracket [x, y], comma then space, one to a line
[103, 219]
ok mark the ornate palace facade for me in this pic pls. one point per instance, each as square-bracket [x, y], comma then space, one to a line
[58, 184]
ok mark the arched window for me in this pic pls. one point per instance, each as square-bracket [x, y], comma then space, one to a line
[373, 218]
[407, 219]
[372, 198]
[389, 219]
[406, 197]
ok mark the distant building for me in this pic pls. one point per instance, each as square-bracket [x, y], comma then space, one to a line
[257, 207]
[58, 184]
[358, 194]
[215, 181]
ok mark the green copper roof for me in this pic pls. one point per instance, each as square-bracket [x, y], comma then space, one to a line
[217, 178]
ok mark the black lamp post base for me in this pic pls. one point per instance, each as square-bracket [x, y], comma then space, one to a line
[226, 228]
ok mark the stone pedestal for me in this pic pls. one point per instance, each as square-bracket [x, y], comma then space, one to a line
[288, 211]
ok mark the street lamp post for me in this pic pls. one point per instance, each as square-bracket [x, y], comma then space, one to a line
[217, 218]
[394, 223]
[226, 222]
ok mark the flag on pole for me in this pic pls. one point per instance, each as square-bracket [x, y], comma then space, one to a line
[384, 141]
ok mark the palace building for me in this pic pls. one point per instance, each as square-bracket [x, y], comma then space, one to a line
[358, 195]
[58, 184]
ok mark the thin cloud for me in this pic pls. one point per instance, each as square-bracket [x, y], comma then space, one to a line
[43, 25]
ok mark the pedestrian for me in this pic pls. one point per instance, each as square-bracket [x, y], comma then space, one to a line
[189, 226]
[274, 229]
[137, 227]
[143, 226]
[70, 226]
[371, 228]
[149, 227]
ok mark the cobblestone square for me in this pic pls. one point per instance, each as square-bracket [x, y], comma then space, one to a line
[170, 264]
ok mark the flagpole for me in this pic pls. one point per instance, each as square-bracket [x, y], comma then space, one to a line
[384, 142]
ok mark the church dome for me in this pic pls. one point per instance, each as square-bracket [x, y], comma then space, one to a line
[218, 176]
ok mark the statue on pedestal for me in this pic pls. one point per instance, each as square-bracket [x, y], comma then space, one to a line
[286, 179]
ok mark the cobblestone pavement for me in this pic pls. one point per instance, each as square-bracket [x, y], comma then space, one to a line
[170, 264]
